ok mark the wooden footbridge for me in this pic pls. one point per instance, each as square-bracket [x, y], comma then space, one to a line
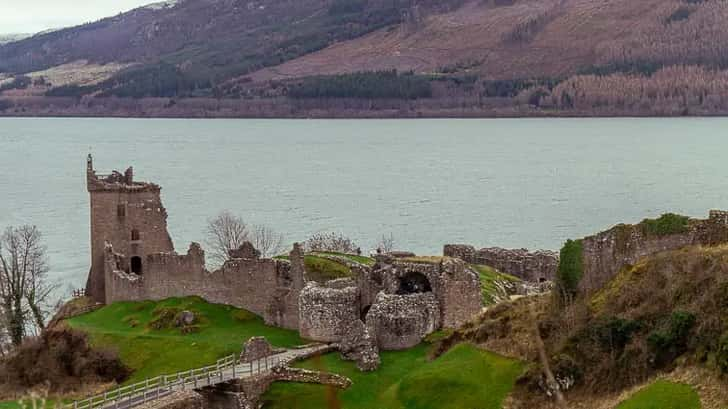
[224, 370]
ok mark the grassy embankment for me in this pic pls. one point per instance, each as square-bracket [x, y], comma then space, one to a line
[128, 328]
[488, 278]
[663, 395]
[464, 377]
[320, 266]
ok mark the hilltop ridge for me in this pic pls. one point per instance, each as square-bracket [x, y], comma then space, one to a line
[453, 58]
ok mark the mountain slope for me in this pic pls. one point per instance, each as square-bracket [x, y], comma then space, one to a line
[534, 38]
[200, 42]
[452, 58]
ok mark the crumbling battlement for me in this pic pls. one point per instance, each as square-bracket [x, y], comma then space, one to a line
[128, 215]
[606, 253]
[267, 287]
[455, 286]
[133, 259]
[534, 266]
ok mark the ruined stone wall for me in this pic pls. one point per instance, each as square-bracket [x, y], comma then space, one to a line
[326, 312]
[606, 253]
[403, 321]
[455, 286]
[539, 265]
[266, 287]
[120, 206]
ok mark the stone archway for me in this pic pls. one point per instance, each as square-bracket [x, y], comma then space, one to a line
[414, 283]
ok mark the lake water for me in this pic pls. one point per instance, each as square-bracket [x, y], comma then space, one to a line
[512, 183]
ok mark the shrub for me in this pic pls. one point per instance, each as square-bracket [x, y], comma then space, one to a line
[5, 105]
[668, 223]
[671, 342]
[570, 268]
[164, 317]
[330, 242]
[616, 333]
[682, 13]
[722, 353]
[61, 360]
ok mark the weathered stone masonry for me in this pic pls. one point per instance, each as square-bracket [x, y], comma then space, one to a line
[398, 301]
[535, 266]
[606, 253]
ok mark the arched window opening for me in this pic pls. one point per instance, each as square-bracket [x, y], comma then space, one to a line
[413, 283]
[135, 235]
[136, 265]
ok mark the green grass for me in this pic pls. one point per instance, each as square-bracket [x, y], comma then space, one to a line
[465, 377]
[322, 269]
[29, 404]
[222, 330]
[367, 261]
[663, 395]
[488, 277]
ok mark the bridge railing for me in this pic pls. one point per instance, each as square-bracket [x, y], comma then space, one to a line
[224, 369]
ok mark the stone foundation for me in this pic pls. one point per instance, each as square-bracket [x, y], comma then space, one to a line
[403, 321]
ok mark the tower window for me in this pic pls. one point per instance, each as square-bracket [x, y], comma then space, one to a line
[135, 235]
[121, 210]
[136, 265]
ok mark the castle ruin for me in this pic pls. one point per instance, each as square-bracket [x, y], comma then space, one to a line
[399, 300]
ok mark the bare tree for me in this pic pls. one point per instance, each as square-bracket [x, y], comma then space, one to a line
[225, 232]
[25, 290]
[266, 240]
[386, 243]
[332, 242]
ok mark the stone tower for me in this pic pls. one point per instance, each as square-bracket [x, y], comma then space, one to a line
[130, 217]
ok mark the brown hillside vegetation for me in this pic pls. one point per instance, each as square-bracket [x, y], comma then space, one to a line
[668, 312]
[532, 38]
[60, 361]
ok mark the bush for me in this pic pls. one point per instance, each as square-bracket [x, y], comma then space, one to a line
[5, 105]
[570, 268]
[330, 242]
[61, 360]
[616, 333]
[722, 353]
[668, 223]
[671, 342]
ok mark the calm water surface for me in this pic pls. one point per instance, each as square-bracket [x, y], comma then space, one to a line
[512, 183]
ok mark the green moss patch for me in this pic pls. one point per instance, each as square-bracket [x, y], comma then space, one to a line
[464, 377]
[488, 278]
[663, 395]
[667, 224]
[151, 352]
[367, 261]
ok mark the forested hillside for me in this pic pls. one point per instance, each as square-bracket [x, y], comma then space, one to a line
[454, 57]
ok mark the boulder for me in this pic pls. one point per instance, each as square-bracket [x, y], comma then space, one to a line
[185, 319]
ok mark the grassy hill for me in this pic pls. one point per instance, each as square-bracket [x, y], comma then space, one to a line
[667, 312]
[464, 378]
[128, 327]
[663, 395]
